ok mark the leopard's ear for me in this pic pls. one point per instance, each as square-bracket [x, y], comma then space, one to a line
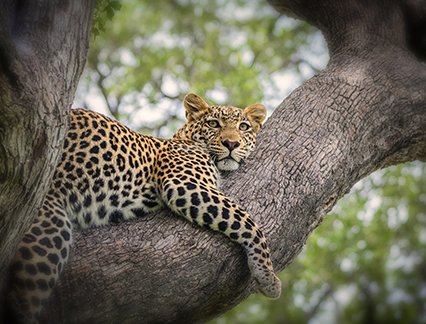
[195, 106]
[256, 114]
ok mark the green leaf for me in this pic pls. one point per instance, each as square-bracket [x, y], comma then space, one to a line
[116, 5]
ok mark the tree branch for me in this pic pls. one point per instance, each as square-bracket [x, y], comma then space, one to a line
[365, 111]
[99, 82]
[313, 311]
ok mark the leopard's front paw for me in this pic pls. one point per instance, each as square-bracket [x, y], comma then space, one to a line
[269, 285]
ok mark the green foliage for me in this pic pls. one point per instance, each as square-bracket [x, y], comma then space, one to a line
[104, 10]
[155, 52]
[365, 264]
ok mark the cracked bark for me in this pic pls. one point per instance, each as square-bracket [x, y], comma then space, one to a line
[365, 111]
[43, 48]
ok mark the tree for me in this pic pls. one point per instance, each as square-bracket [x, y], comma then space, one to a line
[43, 48]
[362, 113]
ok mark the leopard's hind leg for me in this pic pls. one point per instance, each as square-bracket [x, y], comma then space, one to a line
[39, 260]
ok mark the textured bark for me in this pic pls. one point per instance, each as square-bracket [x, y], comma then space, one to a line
[365, 111]
[43, 49]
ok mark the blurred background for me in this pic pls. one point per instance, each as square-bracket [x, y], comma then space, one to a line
[366, 263]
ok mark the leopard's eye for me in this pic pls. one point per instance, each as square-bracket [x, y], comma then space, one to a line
[244, 126]
[213, 123]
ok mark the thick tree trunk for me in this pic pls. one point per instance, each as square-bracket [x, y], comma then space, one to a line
[365, 111]
[43, 49]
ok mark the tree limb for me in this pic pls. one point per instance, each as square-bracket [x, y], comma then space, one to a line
[365, 111]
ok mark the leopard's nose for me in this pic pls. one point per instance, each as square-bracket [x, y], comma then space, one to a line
[230, 145]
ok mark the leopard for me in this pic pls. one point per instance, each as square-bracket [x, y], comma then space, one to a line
[108, 174]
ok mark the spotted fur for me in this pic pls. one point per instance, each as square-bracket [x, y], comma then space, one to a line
[108, 174]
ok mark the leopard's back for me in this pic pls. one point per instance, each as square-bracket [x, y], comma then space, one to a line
[105, 174]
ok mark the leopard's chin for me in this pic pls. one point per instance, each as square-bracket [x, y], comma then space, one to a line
[228, 164]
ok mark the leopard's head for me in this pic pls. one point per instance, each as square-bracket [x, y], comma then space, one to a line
[228, 133]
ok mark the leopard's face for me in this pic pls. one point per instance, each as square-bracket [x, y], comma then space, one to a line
[228, 133]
